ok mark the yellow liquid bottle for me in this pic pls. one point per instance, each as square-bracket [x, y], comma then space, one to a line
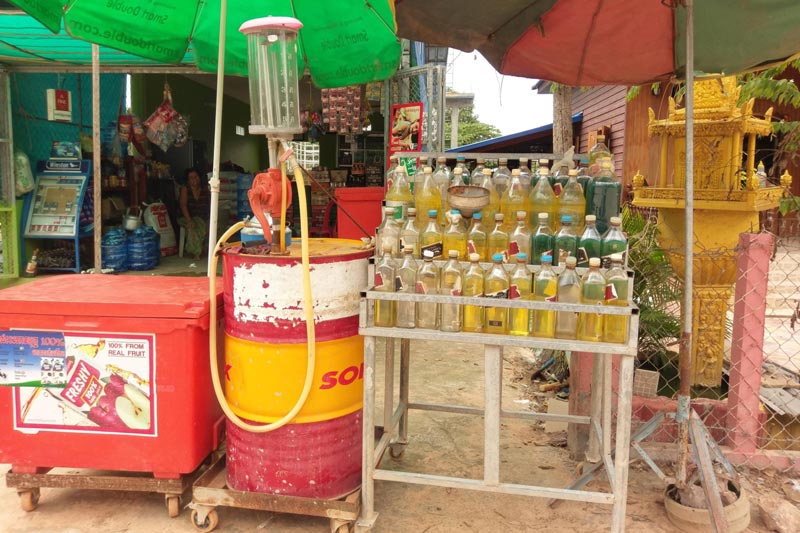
[615, 327]
[473, 286]
[593, 292]
[455, 237]
[384, 282]
[568, 291]
[477, 237]
[545, 288]
[495, 285]
[513, 200]
[497, 241]
[493, 207]
[426, 198]
[399, 194]
[571, 202]
[520, 288]
[431, 239]
[451, 315]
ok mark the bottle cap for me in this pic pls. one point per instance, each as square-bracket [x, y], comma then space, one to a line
[547, 258]
[401, 169]
[523, 161]
[432, 212]
[498, 216]
[616, 258]
[601, 138]
[544, 162]
[427, 254]
[605, 164]
[427, 170]
[591, 218]
[487, 171]
[441, 159]
[452, 254]
[566, 218]
[615, 221]
[412, 211]
[393, 157]
[497, 258]
[594, 262]
[458, 170]
[474, 257]
[522, 215]
[544, 216]
[573, 172]
[572, 261]
[459, 158]
[515, 172]
[481, 160]
[455, 212]
[503, 161]
[477, 215]
[408, 250]
[522, 257]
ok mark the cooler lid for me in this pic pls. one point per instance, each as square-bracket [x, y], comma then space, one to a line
[105, 295]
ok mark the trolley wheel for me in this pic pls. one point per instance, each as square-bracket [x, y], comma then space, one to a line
[209, 524]
[396, 450]
[347, 527]
[173, 505]
[29, 499]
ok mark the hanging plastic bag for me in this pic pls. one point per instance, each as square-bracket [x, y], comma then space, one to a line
[165, 124]
[23, 175]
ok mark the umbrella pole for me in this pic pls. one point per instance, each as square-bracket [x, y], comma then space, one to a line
[214, 182]
[96, 178]
[685, 359]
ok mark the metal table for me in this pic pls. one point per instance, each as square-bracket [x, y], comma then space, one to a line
[395, 414]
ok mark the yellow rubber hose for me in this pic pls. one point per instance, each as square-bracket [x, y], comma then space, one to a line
[308, 307]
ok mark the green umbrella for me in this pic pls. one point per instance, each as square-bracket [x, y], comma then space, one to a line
[345, 42]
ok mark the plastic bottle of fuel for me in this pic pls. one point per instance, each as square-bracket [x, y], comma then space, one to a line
[569, 291]
[387, 236]
[525, 175]
[520, 238]
[513, 200]
[542, 198]
[428, 276]
[543, 240]
[406, 282]
[384, 282]
[473, 286]
[572, 202]
[495, 285]
[409, 233]
[441, 177]
[498, 239]
[455, 236]
[477, 238]
[593, 292]
[451, 314]
[493, 207]
[501, 176]
[615, 327]
[604, 196]
[589, 245]
[399, 194]
[597, 155]
[566, 241]
[477, 173]
[614, 242]
[427, 197]
[462, 164]
[520, 288]
[431, 239]
[545, 289]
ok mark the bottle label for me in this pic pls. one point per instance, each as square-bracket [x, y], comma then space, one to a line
[435, 247]
[455, 290]
[421, 289]
[562, 255]
[471, 247]
[513, 248]
[611, 292]
[553, 298]
[398, 284]
[378, 279]
[400, 208]
[496, 323]
[583, 257]
[557, 188]
[513, 292]
[502, 295]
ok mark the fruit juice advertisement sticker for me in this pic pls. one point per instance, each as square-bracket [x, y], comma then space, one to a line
[108, 387]
[32, 359]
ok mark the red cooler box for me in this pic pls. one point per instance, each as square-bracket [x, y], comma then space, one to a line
[107, 372]
[363, 204]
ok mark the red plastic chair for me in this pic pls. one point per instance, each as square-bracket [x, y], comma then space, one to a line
[326, 230]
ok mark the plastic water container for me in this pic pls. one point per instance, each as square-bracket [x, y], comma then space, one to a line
[115, 250]
[144, 251]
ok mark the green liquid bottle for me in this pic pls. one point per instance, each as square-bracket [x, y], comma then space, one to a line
[566, 241]
[593, 292]
[473, 286]
[477, 238]
[545, 289]
[589, 245]
[614, 242]
[496, 284]
[569, 291]
[384, 282]
[604, 196]
[542, 240]
[615, 327]
[520, 319]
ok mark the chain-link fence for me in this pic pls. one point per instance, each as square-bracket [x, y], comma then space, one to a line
[424, 84]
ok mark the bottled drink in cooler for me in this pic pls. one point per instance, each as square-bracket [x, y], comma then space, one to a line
[455, 236]
[572, 202]
[477, 237]
[399, 194]
[543, 240]
[513, 200]
[451, 286]
[431, 239]
[520, 288]
[493, 207]
[473, 286]
[409, 233]
[545, 289]
[566, 241]
[543, 199]
[495, 285]
[614, 242]
[384, 282]
[427, 197]
[593, 292]
[428, 283]
[501, 176]
[520, 239]
[569, 291]
[387, 236]
[498, 239]
[406, 282]
[589, 245]
[604, 196]
[615, 327]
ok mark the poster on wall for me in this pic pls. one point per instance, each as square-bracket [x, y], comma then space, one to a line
[406, 134]
[80, 382]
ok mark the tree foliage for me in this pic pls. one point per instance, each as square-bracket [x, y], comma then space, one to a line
[470, 129]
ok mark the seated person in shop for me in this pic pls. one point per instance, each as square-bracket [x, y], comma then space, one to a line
[195, 204]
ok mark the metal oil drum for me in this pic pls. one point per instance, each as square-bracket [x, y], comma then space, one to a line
[318, 454]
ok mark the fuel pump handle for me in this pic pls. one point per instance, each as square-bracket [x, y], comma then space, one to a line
[265, 197]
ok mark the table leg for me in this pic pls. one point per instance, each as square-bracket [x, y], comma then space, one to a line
[368, 515]
[493, 368]
[388, 391]
[593, 450]
[405, 360]
[608, 388]
[623, 443]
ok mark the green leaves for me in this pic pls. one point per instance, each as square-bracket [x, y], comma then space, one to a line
[788, 205]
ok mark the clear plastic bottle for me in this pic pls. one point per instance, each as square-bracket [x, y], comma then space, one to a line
[569, 291]
[614, 242]
[589, 245]
[406, 282]
[431, 238]
[584, 179]
[543, 240]
[604, 196]
[501, 176]
[593, 292]
[473, 286]
[597, 155]
[566, 241]
[493, 207]
[558, 180]
[458, 177]
[427, 197]
[572, 202]
[389, 176]
[452, 279]
[519, 322]
[419, 175]
[387, 236]
[442, 176]
[384, 282]
[496, 285]
[520, 239]
[525, 175]
[477, 238]
[498, 239]
[513, 200]
[428, 276]
[615, 327]
[455, 236]
[462, 164]
[477, 173]
[545, 289]
[543, 199]
[399, 194]
[409, 233]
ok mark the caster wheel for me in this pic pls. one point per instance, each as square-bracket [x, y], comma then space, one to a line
[396, 451]
[209, 524]
[345, 528]
[29, 500]
[173, 505]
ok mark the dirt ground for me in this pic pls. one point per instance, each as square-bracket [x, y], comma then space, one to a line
[440, 443]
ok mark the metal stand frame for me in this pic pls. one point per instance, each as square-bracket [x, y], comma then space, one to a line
[395, 417]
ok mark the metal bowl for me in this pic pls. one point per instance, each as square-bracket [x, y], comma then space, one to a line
[468, 198]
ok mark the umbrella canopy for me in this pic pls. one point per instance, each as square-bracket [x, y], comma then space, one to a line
[607, 42]
[343, 43]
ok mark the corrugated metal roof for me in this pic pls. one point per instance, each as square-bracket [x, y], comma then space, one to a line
[478, 146]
